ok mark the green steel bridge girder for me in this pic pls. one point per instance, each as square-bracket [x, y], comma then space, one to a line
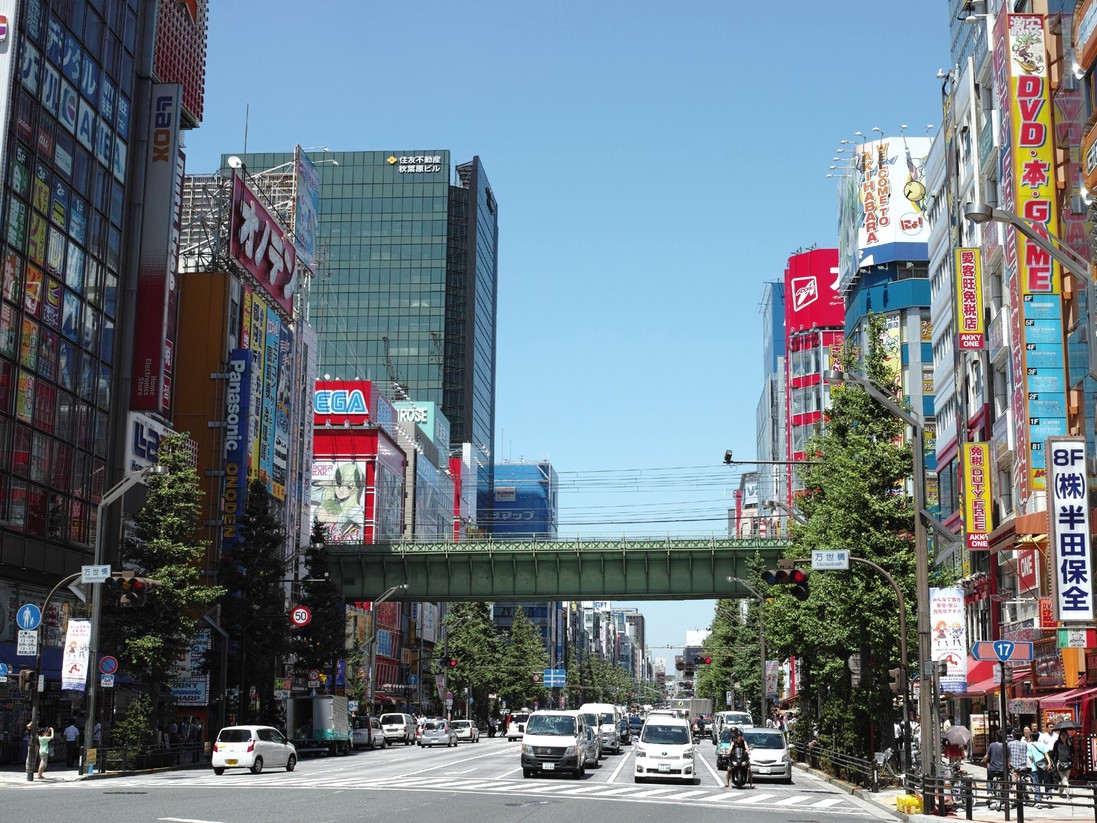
[669, 569]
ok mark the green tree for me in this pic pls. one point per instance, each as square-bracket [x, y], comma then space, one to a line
[253, 610]
[474, 644]
[149, 639]
[854, 499]
[523, 655]
[323, 641]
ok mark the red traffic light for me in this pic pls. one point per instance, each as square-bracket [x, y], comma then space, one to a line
[797, 578]
[706, 660]
[452, 663]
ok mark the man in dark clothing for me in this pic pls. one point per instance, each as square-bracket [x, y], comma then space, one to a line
[994, 760]
[1062, 756]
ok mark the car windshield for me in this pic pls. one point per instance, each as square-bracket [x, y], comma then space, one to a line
[234, 736]
[725, 735]
[562, 725]
[519, 718]
[387, 719]
[667, 735]
[607, 717]
[764, 740]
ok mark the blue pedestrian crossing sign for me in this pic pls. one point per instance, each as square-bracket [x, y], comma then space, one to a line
[3, 669]
[29, 617]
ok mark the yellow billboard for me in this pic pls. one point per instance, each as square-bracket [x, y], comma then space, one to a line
[978, 515]
[970, 329]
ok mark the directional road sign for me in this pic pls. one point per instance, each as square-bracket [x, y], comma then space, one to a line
[555, 678]
[1004, 651]
[29, 617]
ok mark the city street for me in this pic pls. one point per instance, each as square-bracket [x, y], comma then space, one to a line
[474, 781]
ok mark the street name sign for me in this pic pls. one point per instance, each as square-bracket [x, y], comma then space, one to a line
[1004, 651]
[830, 560]
[94, 574]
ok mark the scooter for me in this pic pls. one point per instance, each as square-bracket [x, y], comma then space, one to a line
[740, 769]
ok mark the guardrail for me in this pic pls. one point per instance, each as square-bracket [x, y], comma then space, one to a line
[960, 793]
[125, 759]
[852, 768]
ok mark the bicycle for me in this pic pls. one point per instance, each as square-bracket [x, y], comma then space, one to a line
[997, 793]
[1025, 790]
[884, 760]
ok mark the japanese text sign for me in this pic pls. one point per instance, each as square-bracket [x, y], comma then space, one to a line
[262, 246]
[970, 331]
[977, 512]
[1068, 529]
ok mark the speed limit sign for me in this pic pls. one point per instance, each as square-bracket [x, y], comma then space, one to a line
[300, 616]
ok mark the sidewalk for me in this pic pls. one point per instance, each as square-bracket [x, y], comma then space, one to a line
[14, 775]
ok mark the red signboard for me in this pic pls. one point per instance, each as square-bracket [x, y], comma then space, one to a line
[1026, 570]
[341, 401]
[262, 246]
[181, 51]
[812, 300]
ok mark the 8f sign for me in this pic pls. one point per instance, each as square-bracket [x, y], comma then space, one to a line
[1068, 526]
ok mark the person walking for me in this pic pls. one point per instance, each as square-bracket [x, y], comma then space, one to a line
[45, 738]
[71, 733]
[1039, 761]
[1063, 756]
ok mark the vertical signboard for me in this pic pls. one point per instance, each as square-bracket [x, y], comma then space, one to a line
[306, 212]
[237, 426]
[1068, 529]
[970, 330]
[280, 446]
[270, 392]
[977, 468]
[948, 629]
[258, 348]
[1027, 188]
[161, 223]
[9, 11]
[261, 245]
[74, 661]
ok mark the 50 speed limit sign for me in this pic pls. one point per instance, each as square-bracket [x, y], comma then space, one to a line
[300, 616]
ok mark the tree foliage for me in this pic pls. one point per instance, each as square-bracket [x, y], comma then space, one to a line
[736, 657]
[473, 642]
[523, 655]
[323, 640]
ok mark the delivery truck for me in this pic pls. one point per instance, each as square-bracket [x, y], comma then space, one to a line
[319, 723]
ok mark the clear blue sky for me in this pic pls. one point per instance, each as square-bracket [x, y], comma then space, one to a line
[654, 164]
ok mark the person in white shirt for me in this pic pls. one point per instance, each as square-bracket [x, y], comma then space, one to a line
[71, 734]
[1048, 736]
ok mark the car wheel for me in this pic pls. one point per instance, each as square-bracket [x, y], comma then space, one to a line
[257, 766]
[218, 770]
[291, 764]
[581, 772]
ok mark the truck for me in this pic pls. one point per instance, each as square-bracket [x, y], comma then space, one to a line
[690, 707]
[319, 723]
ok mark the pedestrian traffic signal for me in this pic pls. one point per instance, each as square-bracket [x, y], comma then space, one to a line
[451, 663]
[788, 574]
[896, 679]
[130, 589]
[26, 680]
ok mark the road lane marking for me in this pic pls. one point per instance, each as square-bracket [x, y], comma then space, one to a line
[684, 795]
[824, 804]
[186, 820]
[791, 801]
[754, 798]
[620, 766]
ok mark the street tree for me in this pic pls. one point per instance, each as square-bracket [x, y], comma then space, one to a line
[149, 639]
[253, 609]
[471, 640]
[523, 655]
[322, 641]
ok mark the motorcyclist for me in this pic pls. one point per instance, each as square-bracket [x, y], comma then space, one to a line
[740, 749]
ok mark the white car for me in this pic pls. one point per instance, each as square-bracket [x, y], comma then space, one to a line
[437, 732]
[399, 728]
[665, 749]
[466, 731]
[517, 726]
[368, 733]
[252, 747]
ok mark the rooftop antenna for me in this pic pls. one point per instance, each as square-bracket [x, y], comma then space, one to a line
[247, 114]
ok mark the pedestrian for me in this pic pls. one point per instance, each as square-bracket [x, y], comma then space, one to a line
[1018, 752]
[994, 760]
[71, 733]
[1048, 736]
[97, 733]
[45, 738]
[1039, 761]
[1063, 756]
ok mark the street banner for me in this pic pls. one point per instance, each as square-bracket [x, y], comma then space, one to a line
[948, 630]
[970, 329]
[1068, 525]
[74, 662]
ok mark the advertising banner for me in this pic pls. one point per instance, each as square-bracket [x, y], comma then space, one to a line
[237, 426]
[811, 285]
[949, 636]
[338, 499]
[1027, 188]
[74, 661]
[258, 348]
[1026, 571]
[341, 401]
[428, 416]
[306, 213]
[977, 467]
[262, 246]
[970, 329]
[282, 400]
[272, 359]
[143, 440]
[189, 685]
[9, 9]
[161, 226]
[1068, 529]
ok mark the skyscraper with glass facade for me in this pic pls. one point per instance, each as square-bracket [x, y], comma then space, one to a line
[406, 289]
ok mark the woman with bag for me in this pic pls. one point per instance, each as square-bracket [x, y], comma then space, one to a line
[1039, 760]
[1063, 755]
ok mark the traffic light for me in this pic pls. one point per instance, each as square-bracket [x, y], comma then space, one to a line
[451, 663]
[26, 680]
[788, 574]
[130, 589]
[679, 663]
[896, 679]
[701, 660]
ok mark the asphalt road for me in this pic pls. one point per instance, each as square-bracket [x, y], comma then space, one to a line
[474, 782]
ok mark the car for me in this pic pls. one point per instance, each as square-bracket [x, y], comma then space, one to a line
[725, 720]
[398, 728]
[665, 750]
[517, 725]
[367, 733]
[769, 756]
[437, 732]
[555, 741]
[609, 724]
[466, 730]
[624, 731]
[635, 724]
[252, 747]
[594, 739]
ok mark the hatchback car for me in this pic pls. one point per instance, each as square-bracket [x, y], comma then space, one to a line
[437, 733]
[252, 747]
[665, 749]
[769, 755]
[466, 731]
[368, 733]
[399, 728]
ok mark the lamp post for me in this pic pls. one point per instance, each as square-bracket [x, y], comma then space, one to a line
[113, 494]
[761, 644]
[373, 640]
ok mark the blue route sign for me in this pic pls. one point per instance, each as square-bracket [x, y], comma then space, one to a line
[29, 617]
[1003, 651]
[555, 678]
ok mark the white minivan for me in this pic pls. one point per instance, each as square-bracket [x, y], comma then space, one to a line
[724, 720]
[555, 741]
[609, 721]
[665, 750]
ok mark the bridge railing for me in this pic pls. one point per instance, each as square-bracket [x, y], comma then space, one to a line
[512, 542]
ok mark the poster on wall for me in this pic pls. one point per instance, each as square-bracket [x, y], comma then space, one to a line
[338, 499]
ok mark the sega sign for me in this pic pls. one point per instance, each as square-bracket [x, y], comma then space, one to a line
[339, 401]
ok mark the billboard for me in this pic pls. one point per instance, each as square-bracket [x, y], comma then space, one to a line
[306, 212]
[1027, 188]
[255, 319]
[272, 362]
[339, 499]
[9, 11]
[1068, 529]
[949, 637]
[282, 404]
[261, 245]
[143, 435]
[341, 401]
[970, 328]
[812, 299]
[161, 225]
[180, 55]
[977, 468]
[428, 416]
[237, 425]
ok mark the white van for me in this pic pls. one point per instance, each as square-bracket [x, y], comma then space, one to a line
[725, 720]
[517, 726]
[609, 721]
[555, 742]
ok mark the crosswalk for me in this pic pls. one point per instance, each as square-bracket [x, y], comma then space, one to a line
[758, 798]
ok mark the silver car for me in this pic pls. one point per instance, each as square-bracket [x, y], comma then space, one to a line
[437, 733]
[466, 730]
[594, 741]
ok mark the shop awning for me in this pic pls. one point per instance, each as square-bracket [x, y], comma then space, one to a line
[987, 685]
[1061, 700]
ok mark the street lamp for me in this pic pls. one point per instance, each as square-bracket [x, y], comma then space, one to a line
[373, 639]
[113, 494]
[761, 643]
[980, 213]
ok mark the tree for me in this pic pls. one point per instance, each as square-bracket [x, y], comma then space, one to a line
[253, 609]
[472, 641]
[149, 639]
[854, 499]
[524, 654]
[323, 641]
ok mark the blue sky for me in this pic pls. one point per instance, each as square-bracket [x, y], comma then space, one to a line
[654, 165]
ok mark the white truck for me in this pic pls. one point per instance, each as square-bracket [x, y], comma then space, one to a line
[319, 724]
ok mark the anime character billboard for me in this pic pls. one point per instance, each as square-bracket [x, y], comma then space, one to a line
[339, 499]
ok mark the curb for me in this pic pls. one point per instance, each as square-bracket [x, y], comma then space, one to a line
[861, 793]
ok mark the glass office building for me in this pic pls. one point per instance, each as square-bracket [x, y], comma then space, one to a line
[405, 293]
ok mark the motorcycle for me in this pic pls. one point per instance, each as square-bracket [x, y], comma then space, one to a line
[739, 766]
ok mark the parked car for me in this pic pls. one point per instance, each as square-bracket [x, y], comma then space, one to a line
[517, 726]
[466, 730]
[555, 741]
[665, 749]
[594, 739]
[437, 732]
[252, 747]
[399, 728]
[367, 733]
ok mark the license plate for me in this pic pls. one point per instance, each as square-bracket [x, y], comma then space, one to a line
[231, 762]
[549, 767]
[664, 767]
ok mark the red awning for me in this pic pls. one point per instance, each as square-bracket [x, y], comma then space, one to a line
[1061, 700]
